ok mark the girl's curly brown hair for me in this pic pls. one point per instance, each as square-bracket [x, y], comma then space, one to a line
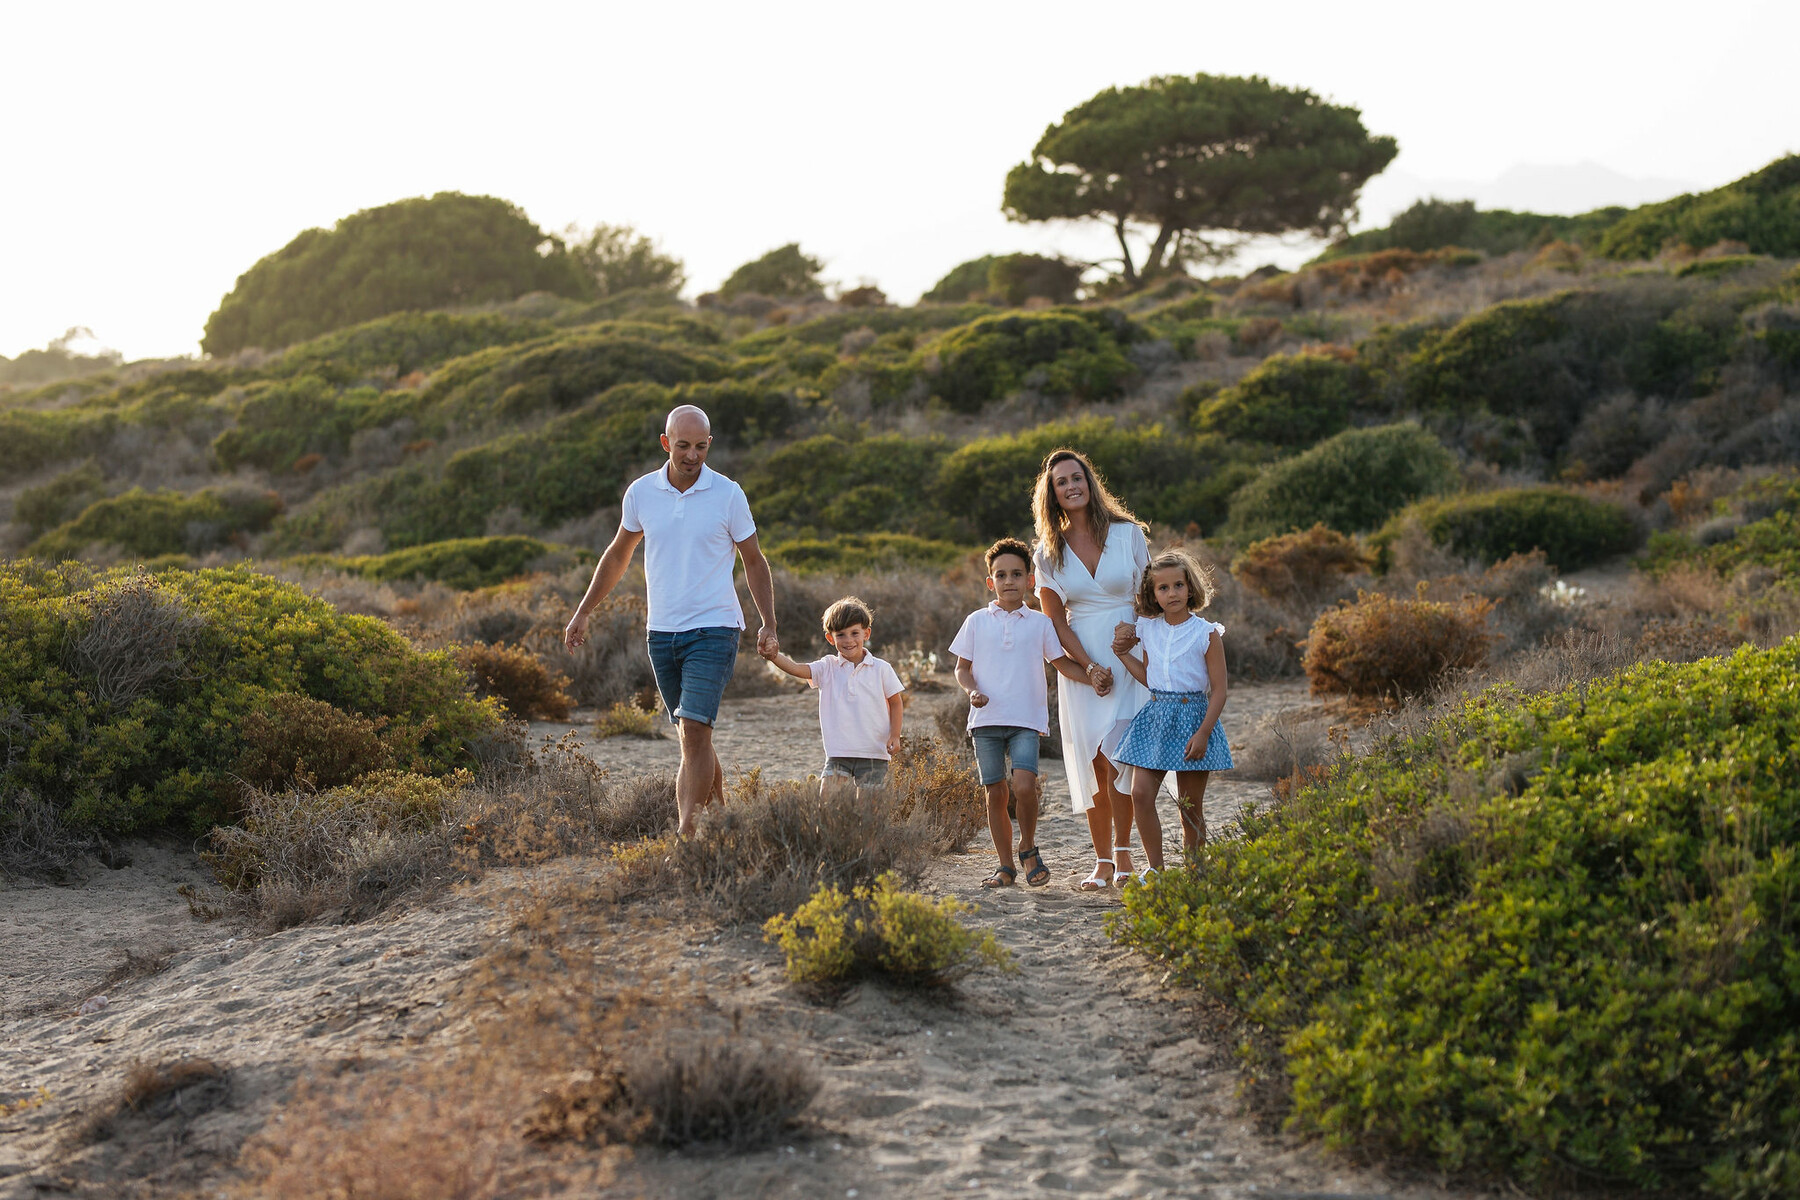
[1199, 582]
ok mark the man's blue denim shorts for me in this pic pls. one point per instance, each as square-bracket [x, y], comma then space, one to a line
[692, 668]
[994, 744]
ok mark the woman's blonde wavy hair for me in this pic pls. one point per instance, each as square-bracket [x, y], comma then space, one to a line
[1104, 509]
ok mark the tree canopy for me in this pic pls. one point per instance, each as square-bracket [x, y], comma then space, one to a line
[784, 273]
[620, 259]
[1192, 158]
[413, 254]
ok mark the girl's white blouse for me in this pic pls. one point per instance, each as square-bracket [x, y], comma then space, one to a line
[1175, 655]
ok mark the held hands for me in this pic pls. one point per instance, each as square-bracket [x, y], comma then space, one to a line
[1100, 679]
[1124, 637]
[767, 644]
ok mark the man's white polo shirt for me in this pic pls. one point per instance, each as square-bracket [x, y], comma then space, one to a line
[690, 539]
[1007, 651]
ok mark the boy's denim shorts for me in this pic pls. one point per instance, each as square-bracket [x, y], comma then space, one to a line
[994, 744]
[692, 668]
[866, 772]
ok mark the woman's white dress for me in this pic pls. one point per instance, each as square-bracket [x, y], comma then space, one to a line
[1095, 603]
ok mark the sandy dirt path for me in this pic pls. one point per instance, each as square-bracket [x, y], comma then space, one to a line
[1082, 1074]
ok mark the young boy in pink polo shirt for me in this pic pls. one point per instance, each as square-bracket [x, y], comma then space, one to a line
[1000, 655]
[859, 700]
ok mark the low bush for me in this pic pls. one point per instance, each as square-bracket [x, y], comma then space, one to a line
[1064, 353]
[847, 553]
[166, 522]
[1291, 400]
[41, 509]
[770, 846]
[395, 346]
[518, 679]
[627, 719]
[1351, 483]
[1379, 646]
[461, 563]
[1543, 936]
[1015, 278]
[296, 741]
[1299, 568]
[965, 281]
[1572, 530]
[134, 689]
[882, 929]
[1759, 210]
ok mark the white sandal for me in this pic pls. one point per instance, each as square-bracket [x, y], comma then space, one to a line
[1120, 872]
[1095, 882]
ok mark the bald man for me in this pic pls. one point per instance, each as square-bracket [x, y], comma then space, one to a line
[692, 521]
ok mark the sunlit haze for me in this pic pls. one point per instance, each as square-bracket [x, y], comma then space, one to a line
[154, 152]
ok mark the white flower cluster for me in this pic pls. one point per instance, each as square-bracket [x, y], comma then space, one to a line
[1562, 595]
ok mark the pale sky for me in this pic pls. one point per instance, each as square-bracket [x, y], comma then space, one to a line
[155, 151]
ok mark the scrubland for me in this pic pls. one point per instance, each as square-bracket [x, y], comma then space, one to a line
[1511, 907]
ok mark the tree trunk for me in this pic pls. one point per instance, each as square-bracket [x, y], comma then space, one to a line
[1158, 250]
[1131, 275]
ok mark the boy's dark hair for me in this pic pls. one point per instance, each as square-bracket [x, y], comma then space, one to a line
[1008, 546]
[847, 612]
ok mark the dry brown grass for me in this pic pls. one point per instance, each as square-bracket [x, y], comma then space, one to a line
[355, 850]
[1300, 569]
[1382, 647]
[519, 678]
[184, 1087]
[1286, 743]
[934, 782]
[769, 846]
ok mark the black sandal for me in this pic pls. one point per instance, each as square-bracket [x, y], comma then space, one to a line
[1002, 877]
[1036, 876]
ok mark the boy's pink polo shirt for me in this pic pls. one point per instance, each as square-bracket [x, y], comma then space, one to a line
[853, 705]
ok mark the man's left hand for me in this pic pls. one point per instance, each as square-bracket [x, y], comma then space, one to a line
[766, 642]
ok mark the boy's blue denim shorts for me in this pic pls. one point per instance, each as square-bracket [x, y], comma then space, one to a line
[692, 668]
[994, 744]
[866, 772]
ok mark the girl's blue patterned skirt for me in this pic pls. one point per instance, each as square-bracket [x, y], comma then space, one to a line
[1160, 732]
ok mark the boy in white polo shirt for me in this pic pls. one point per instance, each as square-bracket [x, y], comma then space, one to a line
[859, 700]
[1000, 655]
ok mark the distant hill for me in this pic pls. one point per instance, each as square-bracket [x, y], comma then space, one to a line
[1761, 210]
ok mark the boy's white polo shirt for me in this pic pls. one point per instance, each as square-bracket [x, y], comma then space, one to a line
[690, 539]
[1008, 651]
[853, 705]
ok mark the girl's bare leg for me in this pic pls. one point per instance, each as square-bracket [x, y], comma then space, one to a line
[1190, 796]
[1144, 786]
[1120, 803]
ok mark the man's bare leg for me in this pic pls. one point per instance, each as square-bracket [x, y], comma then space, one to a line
[699, 774]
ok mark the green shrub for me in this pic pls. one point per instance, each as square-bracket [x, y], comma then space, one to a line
[1725, 264]
[278, 423]
[402, 343]
[1762, 210]
[786, 273]
[1432, 223]
[48, 505]
[1572, 530]
[859, 484]
[1168, 477]
[1289, 400]
[462, 563]
[296, 741]
[166, 522]
[1545, 936]
[885, 930]
[135, 688]
[1015, 278]
[1073, 354]
[411, 255]
[849, 553]
[966, 281]
[1351, 483]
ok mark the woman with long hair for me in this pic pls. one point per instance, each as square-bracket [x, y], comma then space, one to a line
[1090, 557]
